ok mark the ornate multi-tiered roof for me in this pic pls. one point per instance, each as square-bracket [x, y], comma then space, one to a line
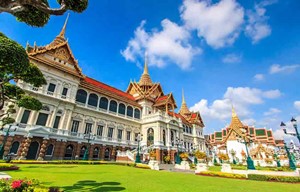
[235, 131]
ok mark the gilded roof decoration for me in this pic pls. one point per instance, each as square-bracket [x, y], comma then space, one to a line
[58, 48]
[184, 110]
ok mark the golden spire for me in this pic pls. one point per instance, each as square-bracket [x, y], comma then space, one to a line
[236, 123]
[184, 109]
[145, 79]
[60, 38]
[233, 111]
[63, 30]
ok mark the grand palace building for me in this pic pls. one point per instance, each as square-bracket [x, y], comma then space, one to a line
[81, 113]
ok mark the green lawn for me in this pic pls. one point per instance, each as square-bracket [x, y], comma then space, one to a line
[93, 178]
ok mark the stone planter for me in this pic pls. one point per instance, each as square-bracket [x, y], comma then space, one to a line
[226, 168]
[200, 160]
[153, 165]
[183, 165]
[201, 167]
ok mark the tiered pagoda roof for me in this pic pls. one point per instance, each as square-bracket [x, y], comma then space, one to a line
[234, 130]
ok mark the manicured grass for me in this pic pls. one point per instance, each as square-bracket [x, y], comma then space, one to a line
[94, 178]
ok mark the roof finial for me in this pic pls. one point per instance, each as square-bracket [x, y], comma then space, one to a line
[63, 31]
[145, 79]
[233, 111]
[183, 109]
[146, 64]
[183, 100]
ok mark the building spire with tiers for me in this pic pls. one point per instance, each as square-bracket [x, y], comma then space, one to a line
[60, 38]
[145, 79]
[63, 30]
[183, 109]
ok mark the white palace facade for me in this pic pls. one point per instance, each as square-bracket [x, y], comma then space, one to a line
[80, 112]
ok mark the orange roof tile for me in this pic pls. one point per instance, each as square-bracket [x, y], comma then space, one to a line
[108, 88]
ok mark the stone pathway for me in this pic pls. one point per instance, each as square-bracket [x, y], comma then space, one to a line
[4, 176]
[171, 167]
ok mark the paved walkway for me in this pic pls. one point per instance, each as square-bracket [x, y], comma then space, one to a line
[171, 167]
[4, 176]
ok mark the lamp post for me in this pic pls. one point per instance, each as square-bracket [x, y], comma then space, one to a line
[2, 146]
[294, 123]
[245, 139]
[88, 137]
[178, 143]
[291, 162]
[138, 157]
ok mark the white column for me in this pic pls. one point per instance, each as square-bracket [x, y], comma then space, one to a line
[51, 118]
[32, 117]
[69, 119]
[19, 115]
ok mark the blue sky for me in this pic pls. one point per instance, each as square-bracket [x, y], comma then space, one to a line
[220, 52]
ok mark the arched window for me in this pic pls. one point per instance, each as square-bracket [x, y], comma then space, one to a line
[69, 152]
[14, 147]
[103, 103]
[49, 150]
[82, 151]
[129, 111]
[81, 96]
[150, 137]
[113, 106]
[121, 109]
[96, 153]
[137, 114]
[93, 100]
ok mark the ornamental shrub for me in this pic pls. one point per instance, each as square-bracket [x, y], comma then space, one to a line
[288, 179]
[7, 167]
[21, 185]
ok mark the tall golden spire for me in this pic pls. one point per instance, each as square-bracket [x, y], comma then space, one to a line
[145, 79]
[60, 38]
[236, 123]
[184, 109]
[63, 30]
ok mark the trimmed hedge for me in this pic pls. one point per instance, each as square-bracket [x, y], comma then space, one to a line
[222, 174]
[143, 166]
[8, 167]
[71, 162]
[288, 179]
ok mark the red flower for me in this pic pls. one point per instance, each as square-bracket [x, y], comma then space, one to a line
[16, 184]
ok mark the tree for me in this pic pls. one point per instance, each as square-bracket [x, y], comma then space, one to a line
[15, 65]
[37, 12]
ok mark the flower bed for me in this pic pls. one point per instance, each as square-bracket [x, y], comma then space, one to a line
[20, 185]
[222, 174]
[8, 167]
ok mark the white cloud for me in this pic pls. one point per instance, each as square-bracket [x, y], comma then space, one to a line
[297, 105]
[283, 69]
[259, 77]
[272, 111]
[272, 94]
[232, 58]
[257, 27]
[219, 24]
[169, 44]
[242, 98]
[249, 122]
